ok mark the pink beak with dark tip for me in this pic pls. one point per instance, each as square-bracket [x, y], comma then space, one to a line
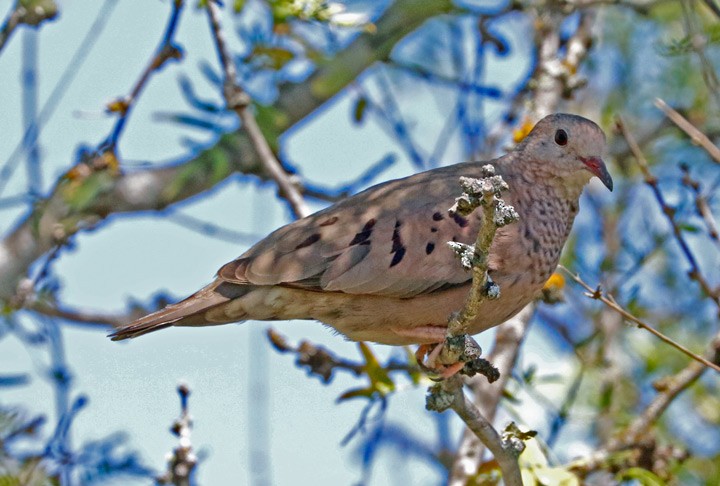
[596, 166]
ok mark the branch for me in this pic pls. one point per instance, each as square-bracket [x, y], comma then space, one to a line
[449, 394]
[668, 389]
[509, 338]
[182, 460]
[610, 301]
[166, 51]
[239, 101]
[324, 363]
[669, 213]
[478, 193]
[696, 136]
[32, 12]
[701, 204]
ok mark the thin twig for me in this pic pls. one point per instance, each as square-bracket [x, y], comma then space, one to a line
[181, 460]
[324, 363]
[30, 134]
[166, 51]
[669, 212]
[239, 101]
[607, 299]
[695, 135]
[701, 204]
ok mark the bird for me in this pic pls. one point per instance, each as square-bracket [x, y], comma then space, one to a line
[376, 267]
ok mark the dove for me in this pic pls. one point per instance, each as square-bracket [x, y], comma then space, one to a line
[376, 266]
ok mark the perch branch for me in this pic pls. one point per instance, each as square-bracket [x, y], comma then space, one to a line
[481, 193]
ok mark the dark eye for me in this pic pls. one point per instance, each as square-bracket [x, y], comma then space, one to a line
[561, 137]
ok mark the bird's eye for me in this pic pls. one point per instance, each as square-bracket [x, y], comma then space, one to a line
[561, 137]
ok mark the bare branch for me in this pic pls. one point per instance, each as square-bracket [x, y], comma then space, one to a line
[701, 204]
[166, 51]
[650, 180]
[668, 389]
[239, 101]
[609, 301]
[695, 135]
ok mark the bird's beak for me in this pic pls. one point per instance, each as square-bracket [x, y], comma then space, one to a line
[596, 166]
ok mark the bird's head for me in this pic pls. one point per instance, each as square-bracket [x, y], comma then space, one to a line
[571, 147]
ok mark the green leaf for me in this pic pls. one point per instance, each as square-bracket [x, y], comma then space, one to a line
[645, 477]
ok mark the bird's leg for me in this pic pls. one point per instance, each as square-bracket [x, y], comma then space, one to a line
[455, 354]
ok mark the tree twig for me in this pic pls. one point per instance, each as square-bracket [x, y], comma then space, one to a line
[609, 301]
[449, 394]
[695, 135]
[668, 389]
[239, 101]
[166, 51]
[669, 212]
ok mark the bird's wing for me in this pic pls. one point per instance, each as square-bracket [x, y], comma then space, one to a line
[389, 240]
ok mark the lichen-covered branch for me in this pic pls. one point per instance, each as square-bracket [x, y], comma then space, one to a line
[449, 394]
[483, 193]
[508, 339]
[182, 460]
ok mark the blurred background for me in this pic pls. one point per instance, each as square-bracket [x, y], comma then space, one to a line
[126, 183]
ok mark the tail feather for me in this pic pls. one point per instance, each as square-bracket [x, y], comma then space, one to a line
[188, 312]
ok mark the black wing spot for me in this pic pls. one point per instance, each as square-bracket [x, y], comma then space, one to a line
[429, 248]
[398, 256]
[459, 220]
[433, 229]
[398, 249]
[310, 240]
[329, 221]
[437, 216]
[363, 237]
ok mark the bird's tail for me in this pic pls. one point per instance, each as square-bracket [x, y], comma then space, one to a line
[188, 312]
